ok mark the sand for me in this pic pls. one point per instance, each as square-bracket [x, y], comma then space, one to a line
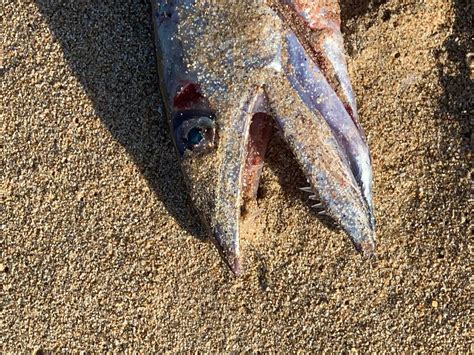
[100, 249]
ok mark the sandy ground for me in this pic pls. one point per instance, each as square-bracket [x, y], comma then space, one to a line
[100, 250]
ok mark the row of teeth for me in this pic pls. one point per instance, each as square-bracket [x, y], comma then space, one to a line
[314, 198]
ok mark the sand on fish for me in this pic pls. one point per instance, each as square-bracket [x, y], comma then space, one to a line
[100, 249]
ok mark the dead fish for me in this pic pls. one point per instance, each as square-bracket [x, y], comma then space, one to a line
[228, 69]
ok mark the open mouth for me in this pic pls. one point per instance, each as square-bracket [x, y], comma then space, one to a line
[320, 157]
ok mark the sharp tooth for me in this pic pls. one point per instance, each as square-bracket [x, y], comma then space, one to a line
[318, 205]
[314, 198]
[306, 189]
[322, 213]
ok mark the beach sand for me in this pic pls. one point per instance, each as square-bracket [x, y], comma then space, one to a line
[101, 250]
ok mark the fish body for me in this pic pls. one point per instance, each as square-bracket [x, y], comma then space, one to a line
[228, 71]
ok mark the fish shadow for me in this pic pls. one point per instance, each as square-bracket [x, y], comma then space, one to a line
[457, 102]
[456, 105]
[109, 48]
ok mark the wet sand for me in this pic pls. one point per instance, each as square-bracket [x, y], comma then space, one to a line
[101, 250]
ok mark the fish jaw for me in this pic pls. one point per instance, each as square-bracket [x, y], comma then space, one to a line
[311, 85]
[324, 164]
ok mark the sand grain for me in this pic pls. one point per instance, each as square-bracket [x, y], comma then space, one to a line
[98, 249]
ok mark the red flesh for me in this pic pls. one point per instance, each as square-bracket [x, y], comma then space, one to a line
[259, 135]
[186, 96]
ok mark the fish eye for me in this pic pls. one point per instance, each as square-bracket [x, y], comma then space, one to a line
[194, 132]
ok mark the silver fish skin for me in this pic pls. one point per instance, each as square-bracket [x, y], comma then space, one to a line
[229, 71]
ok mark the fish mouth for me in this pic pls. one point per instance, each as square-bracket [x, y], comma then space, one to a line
[320, 156]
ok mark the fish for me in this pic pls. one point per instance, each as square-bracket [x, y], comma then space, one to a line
[229, 72]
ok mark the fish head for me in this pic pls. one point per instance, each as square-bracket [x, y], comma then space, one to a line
[225, 88]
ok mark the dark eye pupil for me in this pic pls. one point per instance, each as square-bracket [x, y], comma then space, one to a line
[194, 131]
[195, 136]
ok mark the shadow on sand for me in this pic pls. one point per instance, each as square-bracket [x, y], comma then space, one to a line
[458, 100]
[109, 48]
